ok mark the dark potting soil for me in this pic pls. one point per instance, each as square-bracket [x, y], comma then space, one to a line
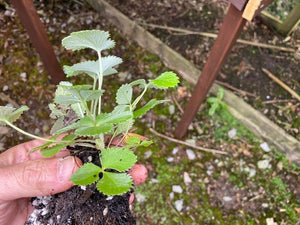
[82, 205]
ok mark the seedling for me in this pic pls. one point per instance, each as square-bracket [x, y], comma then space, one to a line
[78, 114]
[216, 103]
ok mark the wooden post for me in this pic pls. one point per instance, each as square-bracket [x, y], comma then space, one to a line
[37, 34]
[229, 32]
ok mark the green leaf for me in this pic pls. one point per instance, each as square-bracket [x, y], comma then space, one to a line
[88, 95]
[66, 100]
[67, 128]
[50, 151]
[120, 109]
[113, 117]
[141, 82]
[41, 147]
[69, 137]
[213, 108]
[85, 175]
[110, 61]
[147, 107]
[109, 71]
[114, 183]
[146, 143]
[55, 112]
[79, 109]
[124, 94]
[10, 114]
[133, 140]
[89, 67]
[83, 122]
[211, 100]
[124, 127]
[165, 80]
[94, 39]
[220, 94]
[59, 124]
[118, 159]
[92, 131]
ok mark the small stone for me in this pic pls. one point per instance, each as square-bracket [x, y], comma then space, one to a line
[270, 221]
[280, 165]
[154, 181]
[171, 195]
[44, 211]
[88, 21]
[109, 198]
[232, 133]
[252, 172]
[23, 76]
[175, 150]
[51, 29]
[179, 205]
[263, 164]
[191, 141]
[105, 211]
[5, 88]
[171, 109]
[71, 19]
[190, 154]
[147, 154]
[265, 205]
[177, 189]
[140, 197]
[227, 198]
[170, 159]
[220, 164]
[186, 178]
[265, 147]
[46, 128]
[8, 13]
[90, 158]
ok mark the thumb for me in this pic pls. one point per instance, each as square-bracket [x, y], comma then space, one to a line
[37, 177]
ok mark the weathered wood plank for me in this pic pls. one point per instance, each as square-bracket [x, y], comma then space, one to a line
[252, 119]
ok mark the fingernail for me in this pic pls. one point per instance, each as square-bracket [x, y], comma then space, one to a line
[65, 169]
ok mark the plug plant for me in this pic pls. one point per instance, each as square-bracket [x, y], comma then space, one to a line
[79, 116]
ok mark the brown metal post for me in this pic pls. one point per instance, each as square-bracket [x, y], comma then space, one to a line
[231, 28]
[37, 34]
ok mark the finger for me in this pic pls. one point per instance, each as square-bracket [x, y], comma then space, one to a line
[131, 198]
[37, 178]
[138, 173]
[19, 153]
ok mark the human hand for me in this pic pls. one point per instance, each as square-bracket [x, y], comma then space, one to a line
[24, 176]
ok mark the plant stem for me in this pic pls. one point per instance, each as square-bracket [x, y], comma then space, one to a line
[81, 113]
[100, 79]
[32, 135]
[94, 102]
[138, 98]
